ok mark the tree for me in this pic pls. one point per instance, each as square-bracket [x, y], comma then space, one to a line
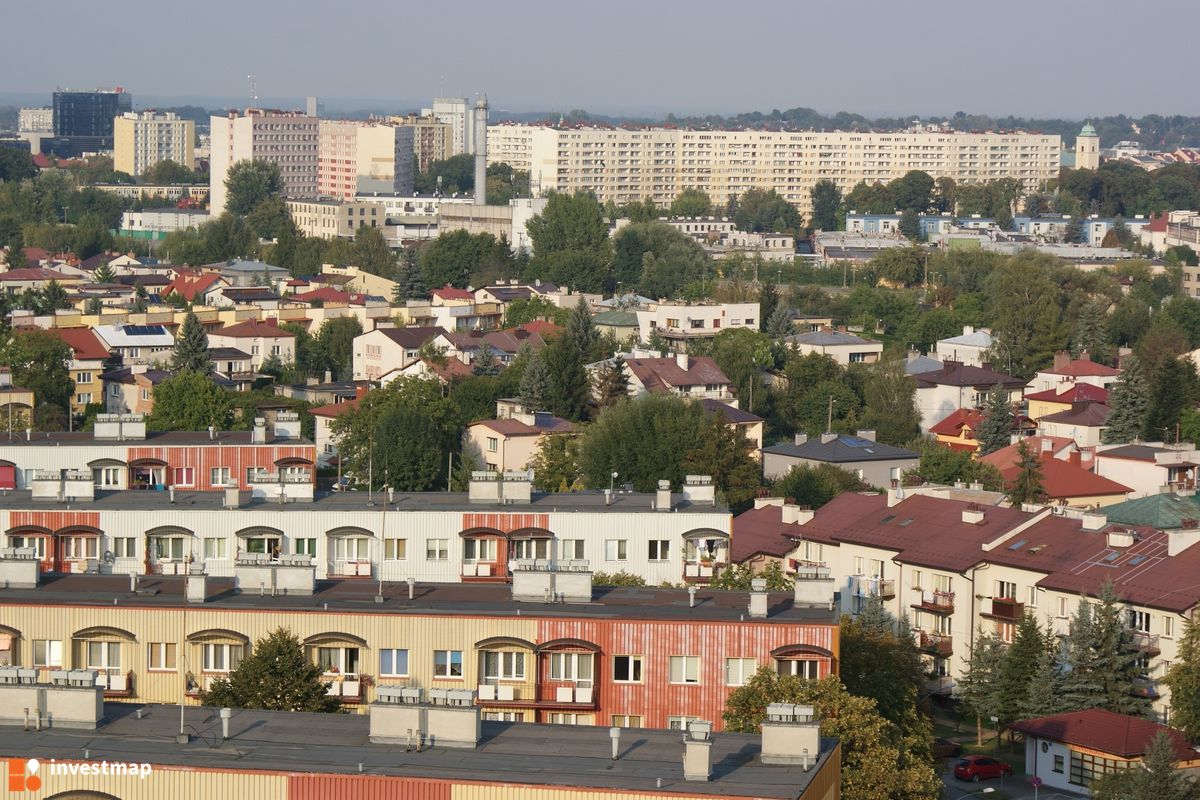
[768, 302]
[41, 363]
[1102, 661]
[765, 211]
[270, 218]
[1130, 402]
[276, 676]
[1183, 679]
[912, 192]
[536, 384]
[249, 183]
[995, 429]
[815, 486]
[54, 297]
[518, 312]
[570, 242]
[1091, 331]
[610, 384]
[691, 203]
[890, 404]
[168, 172]
[555, 465]
[190, 401]
[372, 253]
[462, 259]
[569, 388]
[16, 165]
[410, 283]
[979, 687]
[910, 224]
[485, 360]
[826, 200]
[333, 347]
[1046, 682]
[1026, 486]
[1156, 777]
[1020, 661]
[1023, 305]
[103, 274]
[91, 237]
[1173, 389]
[875, 763]
[581, 331]
[724, 453]
[191, 347]
[878, 663]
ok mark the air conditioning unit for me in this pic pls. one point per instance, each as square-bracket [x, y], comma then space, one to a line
[565, 694]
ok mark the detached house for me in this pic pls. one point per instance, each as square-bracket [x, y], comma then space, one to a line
[88, 356]
[956, 385]
[687, 376]
[261, 340]
[384, 350]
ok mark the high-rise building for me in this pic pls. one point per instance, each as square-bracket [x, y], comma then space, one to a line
[355, 157]
[1087, 148]
[455, 112]
[83, 121]
[35, 120]
[433, 140]
[142, 139]
[625, 165]
[286, 138]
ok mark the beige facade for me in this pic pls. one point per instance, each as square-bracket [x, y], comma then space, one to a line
[626, 165]
[329, 219]
[285, 138]
[142, 139]
[433, 140]
[357, 157]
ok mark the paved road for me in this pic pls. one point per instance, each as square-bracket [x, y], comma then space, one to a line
[1015, 787]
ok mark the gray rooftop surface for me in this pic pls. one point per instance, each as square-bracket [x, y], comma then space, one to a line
[153, 439]
[521, 753]
[842, 450]
[641, 603]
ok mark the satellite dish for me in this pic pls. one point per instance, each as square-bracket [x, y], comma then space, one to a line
[109, 557]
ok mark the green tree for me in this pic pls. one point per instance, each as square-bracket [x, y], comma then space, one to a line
[1173, 389]
[54, 297]
[1046, 682]
[691, 203]
[610, 384]
[16, 165]
[655, 259]
[1026, 486]
[910, 224]
[41, 363]
[1019, 662]
[878, 663]
[724, 453]
[485, 360]
[570, 242]
[462, 259]
[91, 237]
[103, 274]
[581, 331]
[826, 200]
[979, 687]
[270, 218]
[536, 384]
[995, 429]
[276, 676]
[518, 312]
[779, 324]
[762, 210]
[190, 401]
[741, 353]
[555, 465]
[815, 486]
[569, 388]
[1156, 777]
[1183, 679]
[1102, 661]
[1091, 331]
[1130, 403]
[902, 265]
[913, 191]
[1023, 304]
[890, 404]
[410, 282]
[768, 302]
[451, 175]
[333, 347]
[168, 172]
[191, 352]
[875, 764]
[249, 183]
[372, 253]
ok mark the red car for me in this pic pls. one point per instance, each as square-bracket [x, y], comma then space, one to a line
[977, 768]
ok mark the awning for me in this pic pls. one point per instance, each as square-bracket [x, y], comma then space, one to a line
[483, 532]
[531, 533]
[568, 644]
[293, 461]
[349, 530]
[169, 530]
[705, 533]
[794, 650]
[494, 642]
[78, 530]
[29, 530]
[218, 635]
[104, 632]
[8, 476]
[107, 462]
[147, 462]
[258, 530]
[334, 638]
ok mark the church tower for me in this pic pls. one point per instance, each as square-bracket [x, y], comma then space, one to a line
[1087, 148]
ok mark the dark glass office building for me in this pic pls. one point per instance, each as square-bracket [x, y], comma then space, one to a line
[85, 119]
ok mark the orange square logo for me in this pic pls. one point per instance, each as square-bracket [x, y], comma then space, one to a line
[22, 775]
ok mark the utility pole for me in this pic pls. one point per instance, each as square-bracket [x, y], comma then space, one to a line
[829, 416]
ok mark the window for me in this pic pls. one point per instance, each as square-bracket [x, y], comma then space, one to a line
[350, 548]
[680, 723]
[493, 444]
[1006, 589]
[626, 721]
[504, 716]
[859, 565]
[36, 543]
[685, 669]
[115, 390]
[145, 394]
[305, 546]
[479, 550]
[447, 664]
[183, 476]
[558, 718]
[531, 548]
[1062, 607]
[916, 579]
[1058, 764]
[219, 476]
[124, 547]
[627, 669]
[1005, 631]
[393, 662]
[47, 653]
[570, 549]
[858, 358]
[338, 659]
[1086, 767]
[168, 548]
[103, 655]
[503, 666]
[1033, 597]
[660, 549]
[254, 472]
[739, 670]
[575, 667]
[79, 546]
[215, 548]
[160, 656]
[800, 668]
[1168, 627]
[614, 549]
[1139, 620]
[437, 549]
[395, 549]
[83, 377]
[875, 567]
[220, 657]
[83, 398]
[942, 583]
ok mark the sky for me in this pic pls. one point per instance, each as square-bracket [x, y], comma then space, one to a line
[1047, 58]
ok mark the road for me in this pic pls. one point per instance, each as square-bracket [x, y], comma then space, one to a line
[1014, 787]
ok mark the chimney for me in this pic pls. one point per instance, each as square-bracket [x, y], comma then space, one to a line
[1047, 447]
[697, 751]
[196, 589]
[481, 120]
[1094, 522]
[801, 438]
[259, 435]
[1061, 359]
[360, 391]
[826, 438]
[792, 514]
[699, 490]
[813, 586]
[662, 498]
[328, 376]
[791, 736]
[681, 360]
[758, 598]
[869, 435]
[968, 330]
[972, 515]
[1118, 539]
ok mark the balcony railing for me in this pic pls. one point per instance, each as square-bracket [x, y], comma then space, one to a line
[1146, 642]
[935, 644]
[936, 602]
[884, 588]
[1006, 609]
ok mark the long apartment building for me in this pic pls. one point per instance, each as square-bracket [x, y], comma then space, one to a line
[433, 140]
[143, 139]
[959, 569]
[550, 648]
[286, 138]
[355, 157]
[626, 165]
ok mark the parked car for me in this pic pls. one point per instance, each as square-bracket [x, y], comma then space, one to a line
[977, 768]
[944, 748]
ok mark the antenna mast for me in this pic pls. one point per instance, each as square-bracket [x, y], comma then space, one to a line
[253, 90]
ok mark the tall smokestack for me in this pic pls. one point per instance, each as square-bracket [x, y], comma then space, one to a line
[481, 120]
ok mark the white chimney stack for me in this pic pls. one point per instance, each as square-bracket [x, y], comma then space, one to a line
[481, 120]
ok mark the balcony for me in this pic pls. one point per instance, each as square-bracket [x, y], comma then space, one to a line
[936, 602]
[883, 588]
[1005, 609]
[115, 683]
[347, 688]
[701, 571]
[1145, 642]
[935, 644]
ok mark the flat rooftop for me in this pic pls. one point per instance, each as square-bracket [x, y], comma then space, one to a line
[519, 753]
[152, 439]
[147, 500]
[451, 599]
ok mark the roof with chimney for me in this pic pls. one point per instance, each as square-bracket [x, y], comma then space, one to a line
[1106, 732]
[976, 338]
[954, 373]
[506, 341]
[842, 449]
[1083, 415]
[1005, 457]
[829, 338]
[448, 292]
[1072, 393]
[762, 531]
[83, 342]
[1063, 480]
[543, 424]
[32, 274]
[662, 374]
[254, 329]
[189, 284]
[1082, 367]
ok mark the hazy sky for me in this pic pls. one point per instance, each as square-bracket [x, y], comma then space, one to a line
[1063, 58]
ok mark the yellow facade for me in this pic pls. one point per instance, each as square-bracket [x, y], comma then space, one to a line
[1043, 408]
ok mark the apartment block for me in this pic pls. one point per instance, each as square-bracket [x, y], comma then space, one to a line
[329, 219]
[455, 112]
[288, 139]
[355, 157]
[142, 139]
[433, 140]
[627, 165]
[35, 120]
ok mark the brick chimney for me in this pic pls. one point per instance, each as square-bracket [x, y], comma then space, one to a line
[1061, 359]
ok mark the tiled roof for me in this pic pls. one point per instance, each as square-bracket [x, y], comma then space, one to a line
[953, 425]
[328, 294]
[83, 341]
[1063, 480]
[762, 530]
[33, 274]
[844, 449]
[1083, 367]
[515, 427]
[953, 373]
[335, 409]
[541, 327]
[509, 341]
[450, 293]
[1005, 457]
[188, 285]
[410, 337]
[253, 329]
[659, 374]
[734, 415]
[1133, 452]
[1087, 415]
[1079, 392]
[1105, 731]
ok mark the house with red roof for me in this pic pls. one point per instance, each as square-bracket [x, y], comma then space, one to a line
[1084, 422]
[504, 344]
[261, 340]
[1061, 397]
[680, 374]
[1072, 371]
[959, 430]
[1070, 751]
[199, 288]
[511, 443]
[16, 281]
[1068, 483]
[956, 385]
[384, 350]
[1059, 447]
[88, 359]
[445, 371]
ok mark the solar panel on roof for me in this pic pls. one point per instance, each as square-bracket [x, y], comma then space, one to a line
[1133, 562]
[906, 522]
[1018, 544]
[1111, 557]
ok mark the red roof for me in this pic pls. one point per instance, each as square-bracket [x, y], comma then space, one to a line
[1062, 480]
[335, 409]
[33, 274]
[1077, 393]
[1083, 367]
[515, 427]
[448, 292]
[188, 285]
[961, 418]
[660, 374]
[328, 294]
[253, 329]
[83, 341]
[539, 326]
[1157, 224]
[762, 530]
[1005, 457]
[1105, 731]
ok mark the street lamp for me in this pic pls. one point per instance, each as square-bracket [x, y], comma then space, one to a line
[996, 723]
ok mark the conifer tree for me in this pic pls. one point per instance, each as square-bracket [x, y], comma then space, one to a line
[485, 360]
[103, 274]
[1172, 391]
[980, 684]
[1027, 486]
[581, 331]
[1183, 679]
[535, 384]
[1129, 400]
[191, 347]
[611, 383]
[1117, 659]
[1019, 662]
[569, 386]
[1157, 777]
[1091, 331]
[276, 676]
[779, 324]
[1046, 682]
[995, 430]
[768, 305]
[410, 281]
